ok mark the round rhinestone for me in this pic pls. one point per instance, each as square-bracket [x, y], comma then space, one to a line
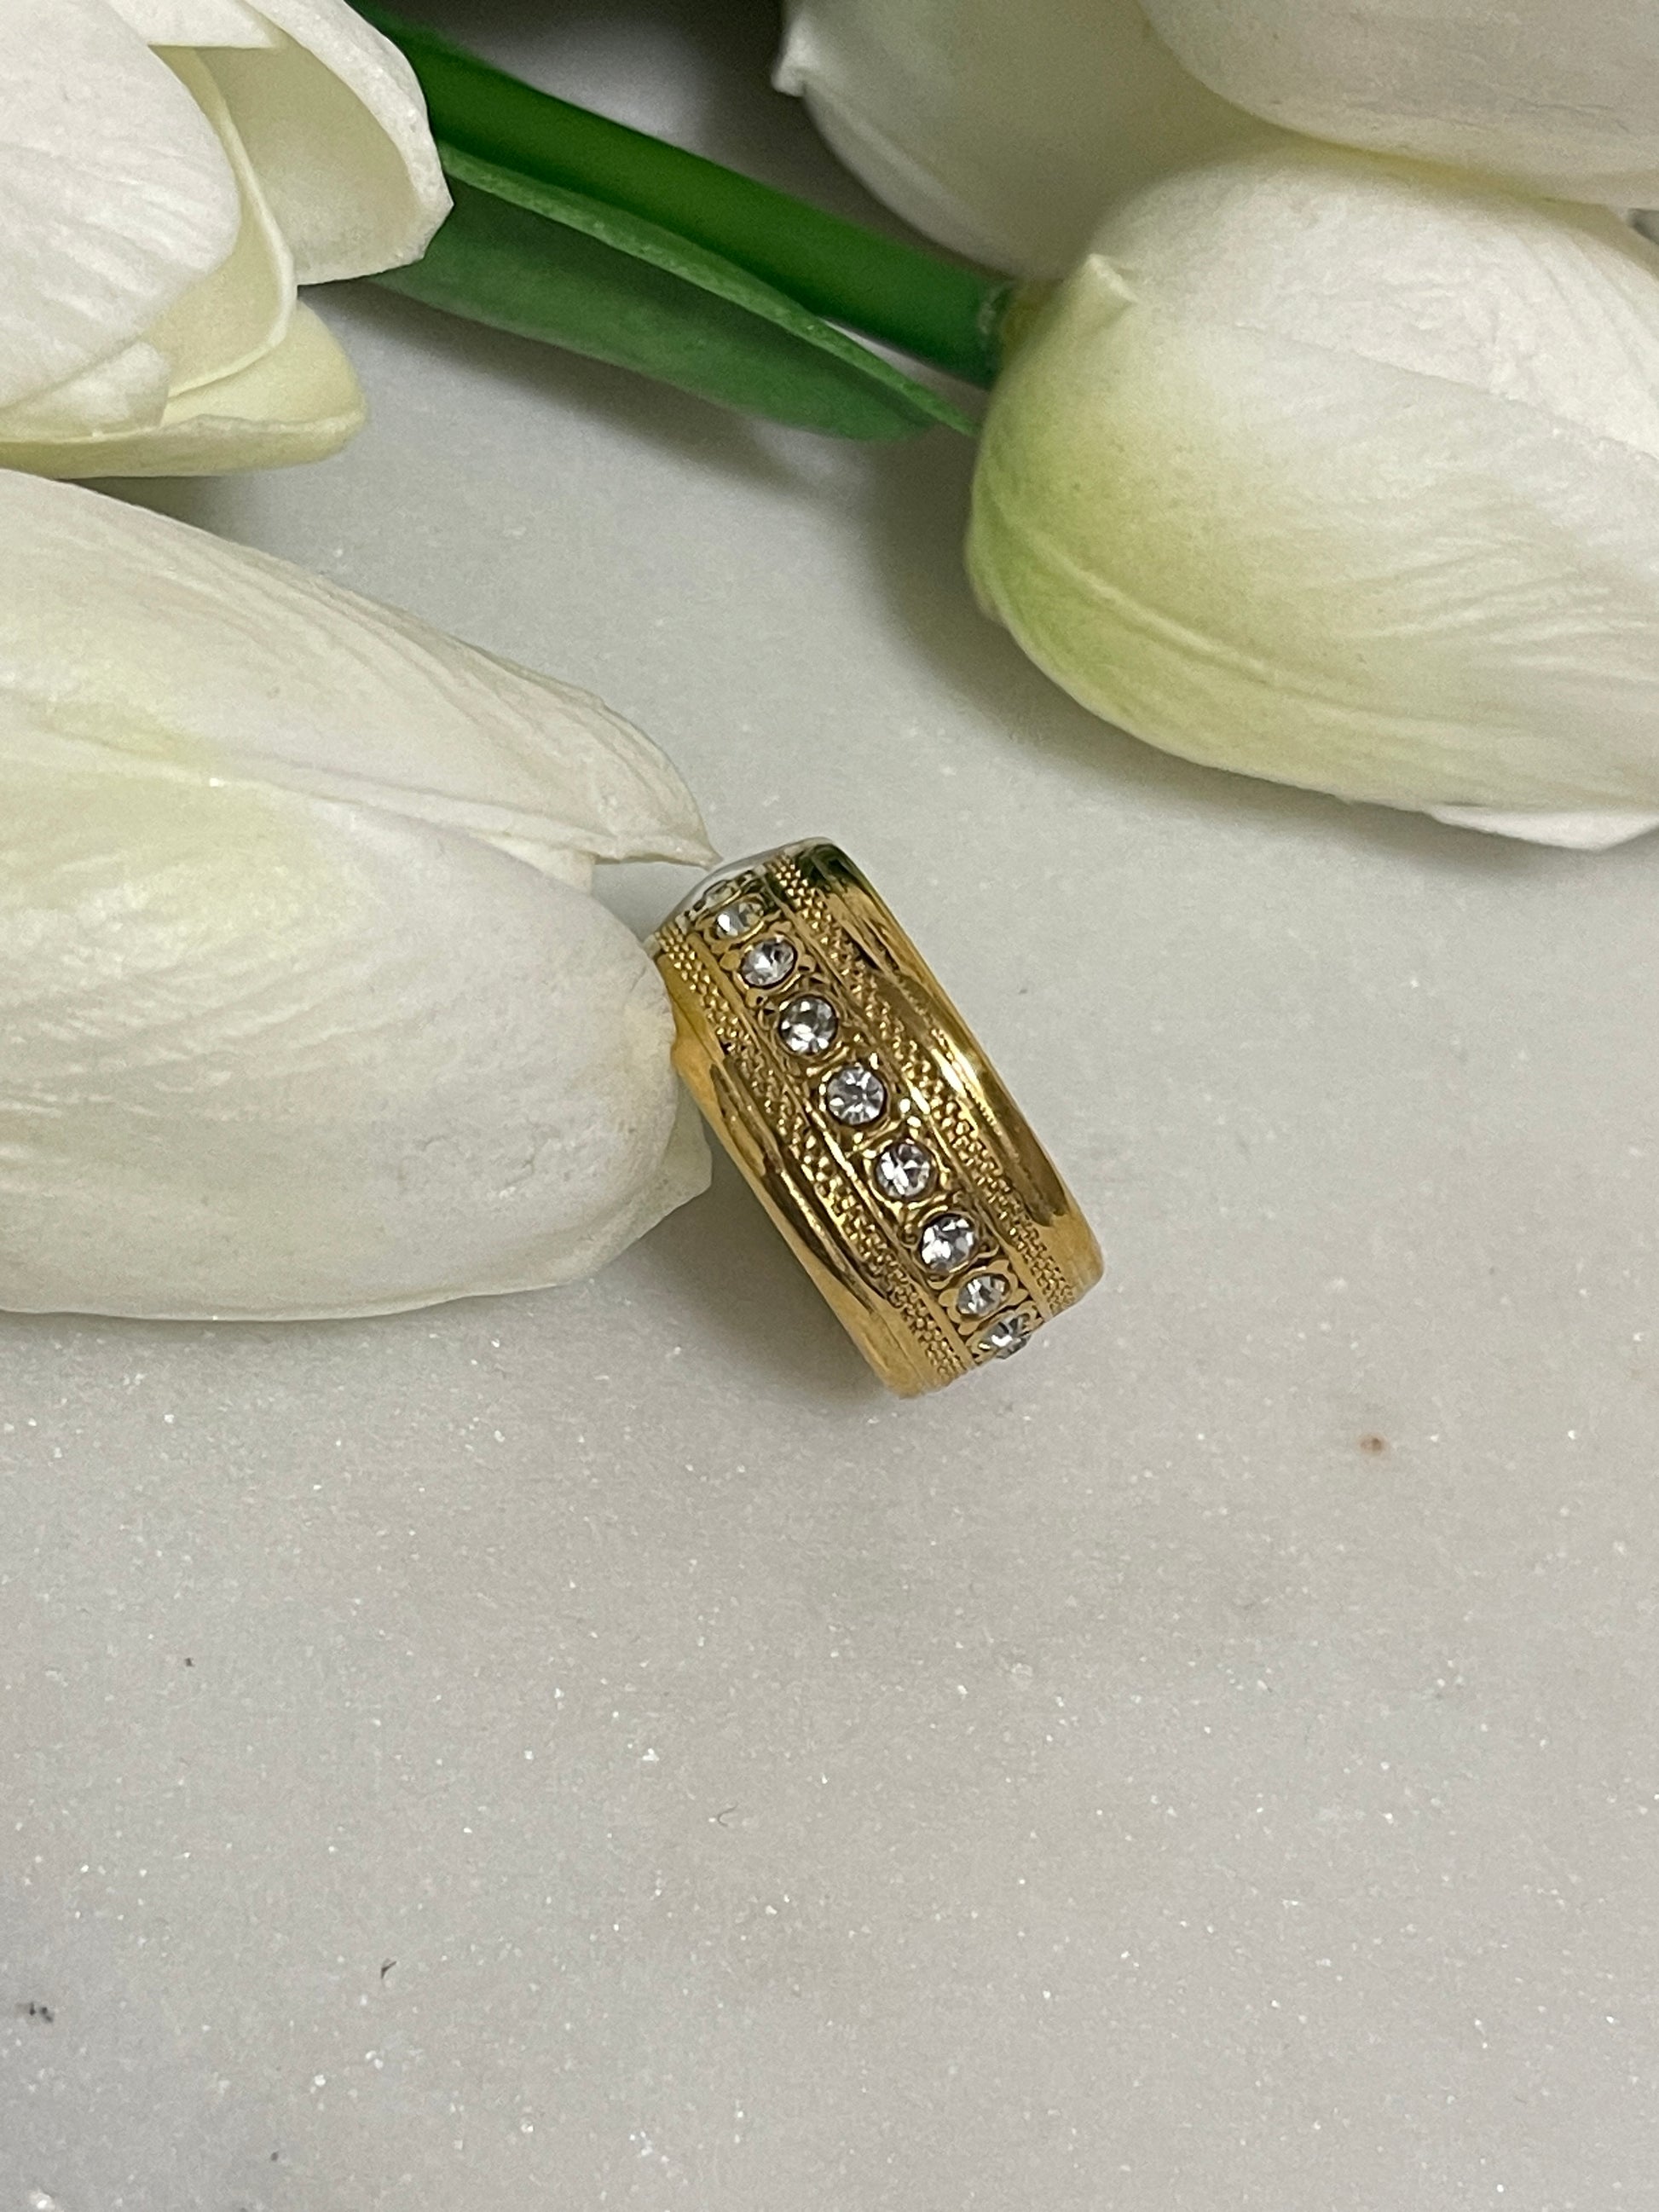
[808, 1026]
[905, 1169]
[738, 919]
[856, 1095]
[980, 1295]
[947, 1242]
[767, 963]
[1006, 1337]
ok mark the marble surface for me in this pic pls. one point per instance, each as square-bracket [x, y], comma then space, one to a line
[594, 1750]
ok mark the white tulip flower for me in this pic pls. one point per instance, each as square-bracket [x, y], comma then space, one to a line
[304, 1006]
[1347, 474]
[1558, 96]
[1002, 131]
[170, 170]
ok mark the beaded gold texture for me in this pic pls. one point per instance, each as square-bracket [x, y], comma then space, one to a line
[854, 1100]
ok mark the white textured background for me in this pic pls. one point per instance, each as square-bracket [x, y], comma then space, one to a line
[594, 1750]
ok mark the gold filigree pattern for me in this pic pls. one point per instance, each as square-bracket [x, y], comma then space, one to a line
[968, 1199]
[880, 997]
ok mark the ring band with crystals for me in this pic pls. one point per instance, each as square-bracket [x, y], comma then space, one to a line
[853, 1099]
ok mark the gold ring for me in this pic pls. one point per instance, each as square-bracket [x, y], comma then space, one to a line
[854, 1101]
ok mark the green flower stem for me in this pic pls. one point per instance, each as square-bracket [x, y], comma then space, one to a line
[934, 310]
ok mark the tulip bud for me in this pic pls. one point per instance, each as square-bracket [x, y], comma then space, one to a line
[171, 170]
[1347, 475]
[1554, 96]
[305, 1007]
[1002, 131]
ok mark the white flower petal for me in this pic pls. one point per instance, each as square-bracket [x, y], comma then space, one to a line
[128, 391]
[195, 22]
[115, 196]
[1002, 131]
[1576, 833]
[242, 311]
[270, 1057]
[301, 402]
[138, 639]
[1552, 306]
[335, 123]
[1553, 95]
[1355, 486]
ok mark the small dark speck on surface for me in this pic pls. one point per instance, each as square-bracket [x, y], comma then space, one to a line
[190, 1662]
[43, 2013]
[386, 1964]
[1373, 1444]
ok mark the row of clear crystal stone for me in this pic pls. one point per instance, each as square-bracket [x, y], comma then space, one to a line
[855, 1095]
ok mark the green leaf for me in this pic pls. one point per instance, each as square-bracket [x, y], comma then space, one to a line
[552, 264]
[898, 294]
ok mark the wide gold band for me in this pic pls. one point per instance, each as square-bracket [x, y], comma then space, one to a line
[846, 1087]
